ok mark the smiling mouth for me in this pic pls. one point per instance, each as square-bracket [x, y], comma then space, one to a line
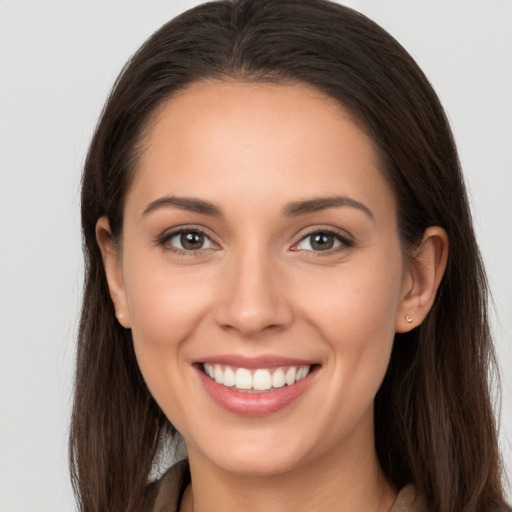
[255, 380]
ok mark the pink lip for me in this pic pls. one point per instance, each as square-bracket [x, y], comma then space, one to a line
[254, 404]
[255, 362]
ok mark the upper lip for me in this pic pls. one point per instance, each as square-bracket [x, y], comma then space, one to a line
[264, 361]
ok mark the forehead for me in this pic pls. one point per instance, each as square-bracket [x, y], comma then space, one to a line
[225, 138]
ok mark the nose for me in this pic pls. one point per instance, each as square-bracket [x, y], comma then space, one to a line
[252, 295]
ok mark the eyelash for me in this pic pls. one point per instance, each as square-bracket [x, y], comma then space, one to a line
[165, 239]
[345, 242]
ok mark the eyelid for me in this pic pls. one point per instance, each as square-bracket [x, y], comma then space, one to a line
[163, 239]
[346, 240]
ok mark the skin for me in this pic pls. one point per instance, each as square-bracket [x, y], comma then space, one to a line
[257, 287]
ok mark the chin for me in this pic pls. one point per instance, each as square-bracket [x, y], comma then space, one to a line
[253, 454]
[254, 464]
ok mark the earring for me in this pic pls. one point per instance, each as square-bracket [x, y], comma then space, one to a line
[119, 316]
[408, 319]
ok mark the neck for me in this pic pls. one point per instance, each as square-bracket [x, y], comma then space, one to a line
[352, 482]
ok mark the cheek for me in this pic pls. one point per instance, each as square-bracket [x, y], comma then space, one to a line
[355, 313]
[164, 300]
[165, 308]
[357, 303]
[165, 313]
[355, 316]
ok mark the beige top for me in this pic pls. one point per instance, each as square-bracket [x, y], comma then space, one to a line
[165, 494]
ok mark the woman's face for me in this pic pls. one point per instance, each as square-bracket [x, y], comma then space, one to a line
[259, 244]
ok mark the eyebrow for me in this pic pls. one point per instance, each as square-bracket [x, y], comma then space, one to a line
[184, 203]
[322, 203]
[293, 209]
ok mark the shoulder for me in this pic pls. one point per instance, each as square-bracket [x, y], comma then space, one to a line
[408, 500]
[164, 494]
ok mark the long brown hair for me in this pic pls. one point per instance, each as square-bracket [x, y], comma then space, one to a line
[434, 422]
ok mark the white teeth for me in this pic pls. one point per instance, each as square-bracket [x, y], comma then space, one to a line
[243, 379]
[229, 378]
[261, 379]
[301, 373]
[278, 380]
[290, 375]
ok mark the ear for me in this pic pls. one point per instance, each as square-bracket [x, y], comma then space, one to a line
[422, 280]
[113, 269]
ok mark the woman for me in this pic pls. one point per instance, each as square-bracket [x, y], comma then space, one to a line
[281, 267]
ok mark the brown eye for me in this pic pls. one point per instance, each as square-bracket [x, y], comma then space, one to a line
[192, 241]
[322, 241]
[189, 241]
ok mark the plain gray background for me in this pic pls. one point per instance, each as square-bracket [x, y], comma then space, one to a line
[58, 61]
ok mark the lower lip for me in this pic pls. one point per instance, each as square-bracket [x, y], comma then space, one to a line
[255, 403]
